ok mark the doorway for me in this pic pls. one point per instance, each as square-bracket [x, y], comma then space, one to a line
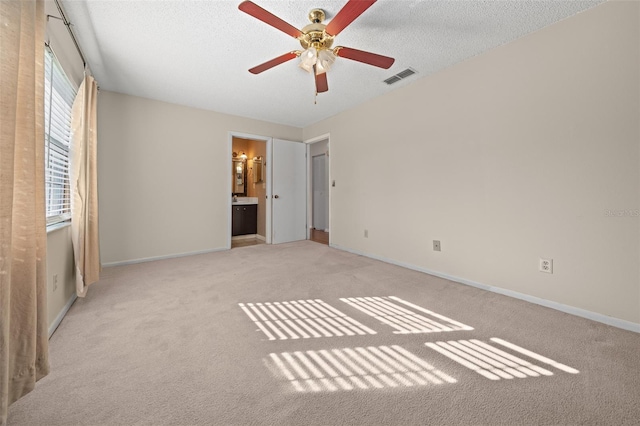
[248, 189]
[318, 154]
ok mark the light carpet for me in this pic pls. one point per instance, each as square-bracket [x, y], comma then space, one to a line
[209, 340]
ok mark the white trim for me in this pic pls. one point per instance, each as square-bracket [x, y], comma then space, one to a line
[56, 322]
[261, 237]
[59, 225]
[318, 138]
[154, 258]
[594, 316]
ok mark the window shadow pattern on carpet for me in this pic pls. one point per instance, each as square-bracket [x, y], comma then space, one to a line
[386, 366]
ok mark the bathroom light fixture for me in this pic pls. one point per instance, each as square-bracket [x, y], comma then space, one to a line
[243, 155]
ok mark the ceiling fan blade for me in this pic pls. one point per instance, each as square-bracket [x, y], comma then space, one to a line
[272, 63]
[321, 83]
[267, 17]
[364, 57]
[347, 15]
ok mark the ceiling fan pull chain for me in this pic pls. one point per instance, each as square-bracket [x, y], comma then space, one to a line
[315, 82]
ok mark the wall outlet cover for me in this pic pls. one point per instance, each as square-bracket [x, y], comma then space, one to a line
[546, 265]
[436, 245]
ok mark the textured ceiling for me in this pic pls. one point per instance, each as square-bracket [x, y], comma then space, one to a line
[197, 53]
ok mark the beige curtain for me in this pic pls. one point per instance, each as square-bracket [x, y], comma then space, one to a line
[84, 186]
[23, 305]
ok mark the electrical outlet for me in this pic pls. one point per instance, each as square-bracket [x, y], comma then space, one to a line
[366, 233]
[436, 245]
[546, 265]
[55, 282]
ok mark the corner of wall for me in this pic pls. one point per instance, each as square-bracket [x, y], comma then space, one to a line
[61, 287]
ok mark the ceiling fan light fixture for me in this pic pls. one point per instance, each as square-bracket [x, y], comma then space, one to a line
[308, 59]
[326, 58]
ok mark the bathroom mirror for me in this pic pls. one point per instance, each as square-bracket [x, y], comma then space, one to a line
[258, 170]
[239, 179]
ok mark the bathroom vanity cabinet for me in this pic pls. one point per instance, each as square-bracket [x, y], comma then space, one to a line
[244, 219]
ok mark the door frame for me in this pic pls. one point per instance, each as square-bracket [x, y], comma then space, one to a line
[267, 172]
[310, 142]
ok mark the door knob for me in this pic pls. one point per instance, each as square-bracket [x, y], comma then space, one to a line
[276, 196]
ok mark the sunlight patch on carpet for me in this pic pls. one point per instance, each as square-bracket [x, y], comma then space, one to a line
[302, 319]
[394, 312]
[355, 368]
[494, 363]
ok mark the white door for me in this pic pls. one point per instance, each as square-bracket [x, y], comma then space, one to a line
[288, 191]
[319, 192]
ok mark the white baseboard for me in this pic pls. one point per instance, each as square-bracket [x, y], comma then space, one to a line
[61, 314]
[151, 259]
[615, 322]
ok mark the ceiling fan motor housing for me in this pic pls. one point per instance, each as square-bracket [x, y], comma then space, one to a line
[314, 34]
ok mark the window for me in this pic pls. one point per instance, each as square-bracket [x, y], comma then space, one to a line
[59, 95]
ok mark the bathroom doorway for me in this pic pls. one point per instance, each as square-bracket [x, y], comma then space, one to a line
[249, 189]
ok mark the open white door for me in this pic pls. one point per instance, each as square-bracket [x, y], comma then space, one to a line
[288, 191]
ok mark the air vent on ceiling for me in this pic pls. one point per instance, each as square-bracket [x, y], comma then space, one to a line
[402, 74]
[392, 80]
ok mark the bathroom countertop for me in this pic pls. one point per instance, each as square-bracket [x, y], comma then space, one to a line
[240, 201]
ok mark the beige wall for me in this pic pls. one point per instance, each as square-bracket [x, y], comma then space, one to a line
[163, 173]
[60, 264]
[511, 156]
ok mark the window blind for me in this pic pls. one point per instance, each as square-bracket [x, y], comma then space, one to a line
[58, 102]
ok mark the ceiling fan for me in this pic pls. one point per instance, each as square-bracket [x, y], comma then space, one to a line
[316, 39]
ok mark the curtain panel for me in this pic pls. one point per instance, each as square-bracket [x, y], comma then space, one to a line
[23, 305]
[84, 186]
